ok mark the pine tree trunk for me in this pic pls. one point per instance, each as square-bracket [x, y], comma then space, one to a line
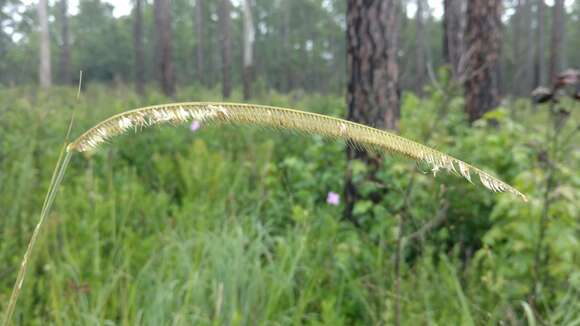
[65, 74]
[453, 30]
[518, 43]
[226, 46]
[138, 47]
[483, 40]
[529, 73]
[200, 44]
[540, 64]
[420, 59]
[288, 80]
[373, 86]
[44, 72]
[165, 51]
[249, 37]
[557, 38]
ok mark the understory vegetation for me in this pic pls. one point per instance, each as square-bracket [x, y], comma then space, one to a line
[231, 225]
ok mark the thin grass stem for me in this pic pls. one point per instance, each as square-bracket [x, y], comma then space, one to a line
[56, 179]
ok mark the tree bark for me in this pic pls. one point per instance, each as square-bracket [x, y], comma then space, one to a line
[44, 71]
[65, 74]
[373, 86]
[138, 47]
[557, 38]
[529, 73]
[165, 50]
[518, 45]
[483, 36]
[226, 47]
[420, 59]
[540, 64]
[288, 78]
[200, 44]
[453, 29]
[249, 38]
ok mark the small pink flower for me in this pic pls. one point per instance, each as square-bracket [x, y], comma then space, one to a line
[333, 198]
[195, 125]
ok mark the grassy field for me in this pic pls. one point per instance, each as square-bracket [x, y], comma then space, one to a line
[231, 225]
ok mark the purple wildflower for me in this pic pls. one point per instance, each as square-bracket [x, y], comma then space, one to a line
[195, 125]
[333, 198]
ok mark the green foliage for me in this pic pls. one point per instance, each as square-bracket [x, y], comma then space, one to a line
[231, 225]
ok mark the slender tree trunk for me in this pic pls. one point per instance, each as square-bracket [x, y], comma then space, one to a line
[288, 80]
[540, 64]
[44, 72]
[518, 44]
[373, 85]
[138, 47]
[165, 50]
[483, 37]
[200, 44]
[249, 37]
[529, 73]
[65, 74]
[557, 38]
[453, 30]
[226, 46]
[420, 59]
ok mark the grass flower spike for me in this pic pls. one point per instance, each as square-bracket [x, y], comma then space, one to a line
[354, 134]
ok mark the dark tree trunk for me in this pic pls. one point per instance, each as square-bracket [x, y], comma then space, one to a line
[138, 47]
[226, 46]
[165, 50]
[529, 73]
[199, 47]
[483, 40]
[540, 64]
[373, 86]
[420, 59]
[557, 38]
[65, 74]
[453, 30]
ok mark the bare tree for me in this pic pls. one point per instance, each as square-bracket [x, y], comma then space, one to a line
[420, 45]
[249, 37]
[226, 46]
[530, 51]
[557, 38]
[523, 47]
[44, 72]
[518, 46]
[373, 85]
[453, 30]
[138, 47]
[288, 80]
[540, 64]
[65, 74]
[164, 46]
[200, 41]
[483, 37]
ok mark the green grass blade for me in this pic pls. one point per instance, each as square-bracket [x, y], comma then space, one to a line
[56, 179]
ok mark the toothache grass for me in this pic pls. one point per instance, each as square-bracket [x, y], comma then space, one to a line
[354, 134]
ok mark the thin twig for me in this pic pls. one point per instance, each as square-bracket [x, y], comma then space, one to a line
[438, 220]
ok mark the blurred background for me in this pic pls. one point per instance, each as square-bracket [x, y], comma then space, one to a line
[233, 225]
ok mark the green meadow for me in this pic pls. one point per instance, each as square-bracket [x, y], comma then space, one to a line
[228, 225]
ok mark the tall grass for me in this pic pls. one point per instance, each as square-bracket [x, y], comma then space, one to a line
[219, 226]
